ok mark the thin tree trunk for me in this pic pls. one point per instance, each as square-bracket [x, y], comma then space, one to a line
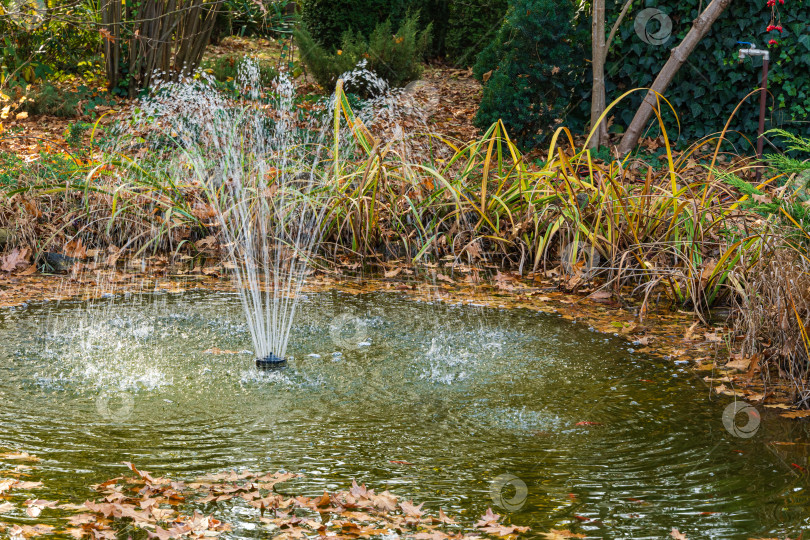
[599, 54]
[168, 36]
[601, 48]
[699, 29]
[111, 22]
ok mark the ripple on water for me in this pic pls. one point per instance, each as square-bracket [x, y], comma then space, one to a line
[433, 401]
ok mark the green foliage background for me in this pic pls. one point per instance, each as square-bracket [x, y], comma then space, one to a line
[56, 46]
[471, 26]
[460, 28]
[711, 84]
[534, 68]
[394, 57]
[327, 20]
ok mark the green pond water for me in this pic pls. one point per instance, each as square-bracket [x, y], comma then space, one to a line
[479, 401]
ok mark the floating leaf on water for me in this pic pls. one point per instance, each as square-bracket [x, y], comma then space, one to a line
[35, 507]
[795, 414]
[444, 519]
[23, 456]
[410, 509]
[27, 485]
[556, 534]
[600, 296]
[503, 530]
[489, 518]
[81, 519]
[677, 535]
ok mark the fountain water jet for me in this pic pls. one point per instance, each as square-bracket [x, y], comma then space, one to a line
[262, 174]
[268, 176]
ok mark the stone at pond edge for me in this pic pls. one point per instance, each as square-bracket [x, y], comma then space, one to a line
[58, 262]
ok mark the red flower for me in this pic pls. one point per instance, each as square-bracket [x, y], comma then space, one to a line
[773, 42]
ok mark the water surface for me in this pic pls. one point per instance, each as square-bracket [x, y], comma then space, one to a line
[607, 442]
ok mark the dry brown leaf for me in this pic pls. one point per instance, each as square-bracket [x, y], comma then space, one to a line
[708, 270]
[714, 337]
[16, 257]
[489, 518]
[677, 535]
[76, 249]
[764, 199]
[410, 509]
[600, 296]
[556, 534]
[795, 414]
[741, 364]
[503, 530]
[19, 456]
[444, 519]
[81, 519]
[28, 271]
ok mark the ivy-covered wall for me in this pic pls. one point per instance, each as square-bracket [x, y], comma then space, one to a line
[711, 84]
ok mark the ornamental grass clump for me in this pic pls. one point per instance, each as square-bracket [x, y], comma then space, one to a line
[684, 233]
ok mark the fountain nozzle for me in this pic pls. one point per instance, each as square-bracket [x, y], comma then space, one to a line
[271, 362]
[752, 51]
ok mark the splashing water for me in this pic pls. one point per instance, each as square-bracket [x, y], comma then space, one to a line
[261, 171]
[267, 172]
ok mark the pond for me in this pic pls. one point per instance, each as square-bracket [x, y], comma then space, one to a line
[461, 407]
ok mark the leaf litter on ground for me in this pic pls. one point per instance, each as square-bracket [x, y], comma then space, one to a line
[168, 509]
